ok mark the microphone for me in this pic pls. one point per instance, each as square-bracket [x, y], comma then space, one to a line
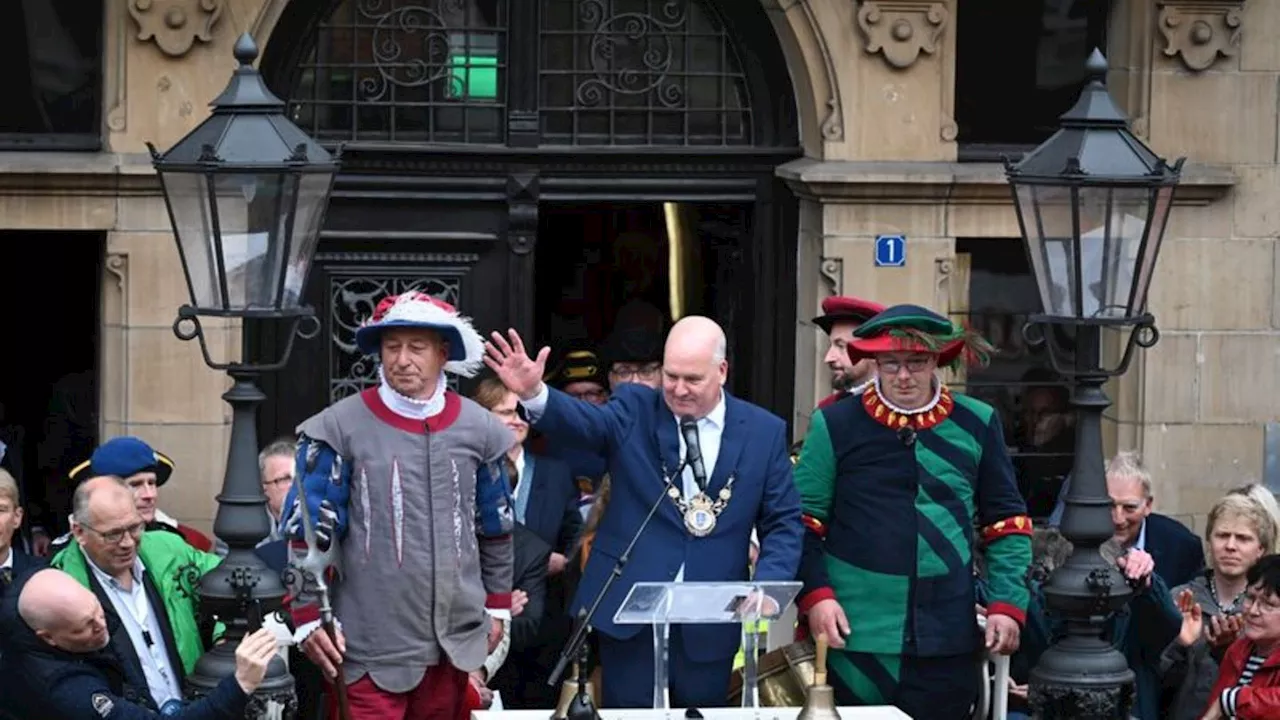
[579, 637]
[907, 435]
[693, 450]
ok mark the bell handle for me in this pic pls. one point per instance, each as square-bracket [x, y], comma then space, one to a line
[820, 662]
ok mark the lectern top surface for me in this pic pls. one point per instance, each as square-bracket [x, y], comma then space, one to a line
[764, 713]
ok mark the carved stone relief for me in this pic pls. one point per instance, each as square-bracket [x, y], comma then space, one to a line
[901, 30]
[113, 396]
[1200, 31]
[832, 270]
[175, 25]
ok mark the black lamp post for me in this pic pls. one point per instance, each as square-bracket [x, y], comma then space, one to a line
[246, 192]
[1092, 203]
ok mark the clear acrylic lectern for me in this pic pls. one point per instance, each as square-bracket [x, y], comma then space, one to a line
[703, 603]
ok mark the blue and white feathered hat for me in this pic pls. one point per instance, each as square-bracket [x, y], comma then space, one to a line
[415, 309]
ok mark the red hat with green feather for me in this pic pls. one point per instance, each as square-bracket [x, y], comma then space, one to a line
[911, 328]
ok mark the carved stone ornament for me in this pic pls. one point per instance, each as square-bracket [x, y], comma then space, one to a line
[1199, 31]
[902, 29]
[175, 24]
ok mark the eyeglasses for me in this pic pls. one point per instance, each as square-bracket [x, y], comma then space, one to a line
[893, 366]
[1264, 606]
[115, 537]
[282, 480]
[626, 373]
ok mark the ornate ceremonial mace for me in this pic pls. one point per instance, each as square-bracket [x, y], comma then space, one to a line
[312, 568]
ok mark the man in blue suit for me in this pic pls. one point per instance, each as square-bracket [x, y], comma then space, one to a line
[749, 485]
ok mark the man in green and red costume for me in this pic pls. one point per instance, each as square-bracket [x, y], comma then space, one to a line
[891, 484]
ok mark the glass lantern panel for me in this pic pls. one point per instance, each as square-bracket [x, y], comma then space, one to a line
[1047, 215]
[1113, 223]
[249, 206]
[187, 194]
[310, 201]
[1150, 250]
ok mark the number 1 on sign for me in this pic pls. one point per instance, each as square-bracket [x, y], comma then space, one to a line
[892, 251]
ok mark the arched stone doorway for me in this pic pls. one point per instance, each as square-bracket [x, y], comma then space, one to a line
[489, 142]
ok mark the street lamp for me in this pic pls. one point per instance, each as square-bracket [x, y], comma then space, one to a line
[1092, 203]
[246, 192]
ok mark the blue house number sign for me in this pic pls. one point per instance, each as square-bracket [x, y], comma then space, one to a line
[891, 250]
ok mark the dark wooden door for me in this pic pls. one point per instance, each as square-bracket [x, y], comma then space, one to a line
[452, 248]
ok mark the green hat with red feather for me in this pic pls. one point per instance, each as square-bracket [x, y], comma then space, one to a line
[911, 328]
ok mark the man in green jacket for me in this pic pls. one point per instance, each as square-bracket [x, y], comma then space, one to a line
[144, 579]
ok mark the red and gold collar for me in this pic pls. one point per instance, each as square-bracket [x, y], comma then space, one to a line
[894, 418]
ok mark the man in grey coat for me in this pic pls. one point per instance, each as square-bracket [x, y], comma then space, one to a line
[411, 470]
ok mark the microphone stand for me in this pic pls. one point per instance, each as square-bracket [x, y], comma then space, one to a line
[579, 639]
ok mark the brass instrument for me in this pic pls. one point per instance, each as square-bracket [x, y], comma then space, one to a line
[783, 676]
[820, 700]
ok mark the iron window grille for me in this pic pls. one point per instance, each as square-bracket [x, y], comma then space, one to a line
[607, 73]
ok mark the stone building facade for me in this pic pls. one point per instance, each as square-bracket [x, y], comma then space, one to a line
[879, 151]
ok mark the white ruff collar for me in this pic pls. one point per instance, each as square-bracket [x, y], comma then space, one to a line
[861, 387]
[408, 407]
[937, 395]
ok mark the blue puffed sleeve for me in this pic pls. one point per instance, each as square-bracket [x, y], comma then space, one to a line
[325, 475]
[494, 515]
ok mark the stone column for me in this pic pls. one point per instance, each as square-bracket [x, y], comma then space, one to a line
[1209, 387]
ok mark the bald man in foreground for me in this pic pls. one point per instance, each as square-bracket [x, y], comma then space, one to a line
[56, 662]
[702, 529]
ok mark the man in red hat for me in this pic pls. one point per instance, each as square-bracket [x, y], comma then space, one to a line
[411, 470]
[841, 315]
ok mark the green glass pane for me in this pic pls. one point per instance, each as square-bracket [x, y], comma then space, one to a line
[473, 76]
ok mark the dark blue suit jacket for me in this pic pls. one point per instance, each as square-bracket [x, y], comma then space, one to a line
[22, 563]
[552, 510]
[1177, 552]
[639, 436]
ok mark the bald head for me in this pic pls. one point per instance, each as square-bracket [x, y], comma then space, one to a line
[62, 612]
[698, 334]
[694, 367]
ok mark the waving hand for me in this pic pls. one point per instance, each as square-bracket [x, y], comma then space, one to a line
[508, 360]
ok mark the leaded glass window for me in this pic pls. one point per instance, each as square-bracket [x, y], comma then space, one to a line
[599, 72]
[407, 71]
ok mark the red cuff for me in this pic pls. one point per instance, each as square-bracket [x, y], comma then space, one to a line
[1016, 525]
[498, 601]
[998, 608]
[815, 525]
[472, 700]
[813, 597]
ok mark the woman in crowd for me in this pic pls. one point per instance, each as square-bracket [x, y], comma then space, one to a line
[1239, 532]
[1248, 685]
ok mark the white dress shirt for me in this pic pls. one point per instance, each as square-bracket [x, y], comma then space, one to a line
[8, 560]
[521, 486]
[140, 621]
[710, 433]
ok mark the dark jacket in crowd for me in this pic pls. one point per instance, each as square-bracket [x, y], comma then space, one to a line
[22, 564]
[39, 681]
[522, 678]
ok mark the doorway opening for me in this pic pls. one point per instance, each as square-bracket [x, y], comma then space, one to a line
[602, 266]
[49, 397]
